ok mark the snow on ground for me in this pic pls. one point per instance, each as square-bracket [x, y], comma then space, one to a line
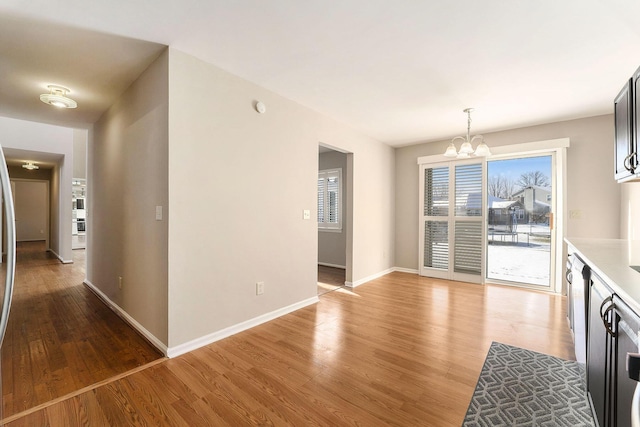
[528, 260]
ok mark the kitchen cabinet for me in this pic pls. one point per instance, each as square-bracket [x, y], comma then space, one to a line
[613, 333]
[626, 327]
[599, 350]
[627, 131]
[626, 158]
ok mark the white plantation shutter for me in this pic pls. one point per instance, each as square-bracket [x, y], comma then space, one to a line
[467, 257]
[469, 190]
[436, 192]
[330, 199]
[452, 222]
[320, 200]
[436, 230]
[436, 244]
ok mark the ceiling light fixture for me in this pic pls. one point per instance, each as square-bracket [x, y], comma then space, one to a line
[466, 148]
[57, 97]
[30, 166]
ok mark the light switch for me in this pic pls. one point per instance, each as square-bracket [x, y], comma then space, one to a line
[158, 213]
[306, 214]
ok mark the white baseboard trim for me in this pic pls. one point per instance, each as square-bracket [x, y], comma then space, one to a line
[406, 270]
[62, 260]
[239, 327]
[127, 318]
[380, 274]
[326, 264]
[370, 278]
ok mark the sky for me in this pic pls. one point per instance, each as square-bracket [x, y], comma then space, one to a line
[513, 168]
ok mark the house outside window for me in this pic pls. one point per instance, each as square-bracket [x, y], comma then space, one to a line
[330, 200]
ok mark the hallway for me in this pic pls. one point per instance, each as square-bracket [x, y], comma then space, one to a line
[61, 337]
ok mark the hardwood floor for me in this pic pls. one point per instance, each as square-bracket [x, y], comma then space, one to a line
[330, 279]
[60, 336]
[400, 350]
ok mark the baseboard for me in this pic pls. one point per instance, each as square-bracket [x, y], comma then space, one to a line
[406, 270]
[239, 327]
[380, 274]
[326, 264]
[370, 278]
[62, 260]
[127, 318]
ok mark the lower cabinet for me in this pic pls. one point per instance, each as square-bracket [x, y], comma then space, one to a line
[626, 327]
[599, 350]
[613, 333]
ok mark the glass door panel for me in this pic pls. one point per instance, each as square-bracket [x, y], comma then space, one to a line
[520, 204]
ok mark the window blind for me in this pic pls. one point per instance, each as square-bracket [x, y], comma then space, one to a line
[436, 192]
[436, 244]
[330, 199]
[468, 190]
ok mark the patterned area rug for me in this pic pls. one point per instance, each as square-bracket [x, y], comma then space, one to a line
[519, 387]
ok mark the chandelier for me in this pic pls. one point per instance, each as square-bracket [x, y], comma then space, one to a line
[467, 148]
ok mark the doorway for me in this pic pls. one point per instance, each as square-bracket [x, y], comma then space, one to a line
[334, 203]
[520, 220]
[31, 200]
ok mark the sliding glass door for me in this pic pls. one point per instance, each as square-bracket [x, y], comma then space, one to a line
[452, 220]
[520, 228]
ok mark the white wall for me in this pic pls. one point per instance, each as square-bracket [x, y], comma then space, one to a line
[127, 179]
[80, 137]
[20, 135]
[239, 182]
[332, 245]
[31, 208]
[591, 188]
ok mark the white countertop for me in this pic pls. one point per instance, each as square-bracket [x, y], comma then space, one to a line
[611, 260]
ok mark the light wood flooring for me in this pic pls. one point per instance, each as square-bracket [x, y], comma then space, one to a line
[400, 350]
[330, 279]
[61, 337]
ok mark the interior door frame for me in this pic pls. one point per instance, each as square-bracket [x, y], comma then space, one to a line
[559, 146]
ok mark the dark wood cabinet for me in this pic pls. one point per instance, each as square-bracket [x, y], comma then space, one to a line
[625, 156]
[599, 346]
[613, 333]
[626, 327]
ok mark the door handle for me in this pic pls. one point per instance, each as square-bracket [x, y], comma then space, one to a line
[603, 314]
[627, 163]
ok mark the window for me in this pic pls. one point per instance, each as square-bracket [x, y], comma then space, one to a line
[330, 199]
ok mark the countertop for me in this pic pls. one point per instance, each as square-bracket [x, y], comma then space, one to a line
[611, 260]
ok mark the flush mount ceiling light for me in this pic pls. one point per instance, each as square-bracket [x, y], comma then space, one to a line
[57, 97]
[30, 166]
[467, 148]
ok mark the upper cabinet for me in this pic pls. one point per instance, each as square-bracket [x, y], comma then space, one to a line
[627, 131]
[626, 158]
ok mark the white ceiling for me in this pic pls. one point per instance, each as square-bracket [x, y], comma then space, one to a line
[400, 71]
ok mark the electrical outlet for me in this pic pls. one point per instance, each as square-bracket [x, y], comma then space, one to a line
[119, 282]
[259, 288]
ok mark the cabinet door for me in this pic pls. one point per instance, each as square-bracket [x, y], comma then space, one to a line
[599, 350]
[627, 326]
[625, 160]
